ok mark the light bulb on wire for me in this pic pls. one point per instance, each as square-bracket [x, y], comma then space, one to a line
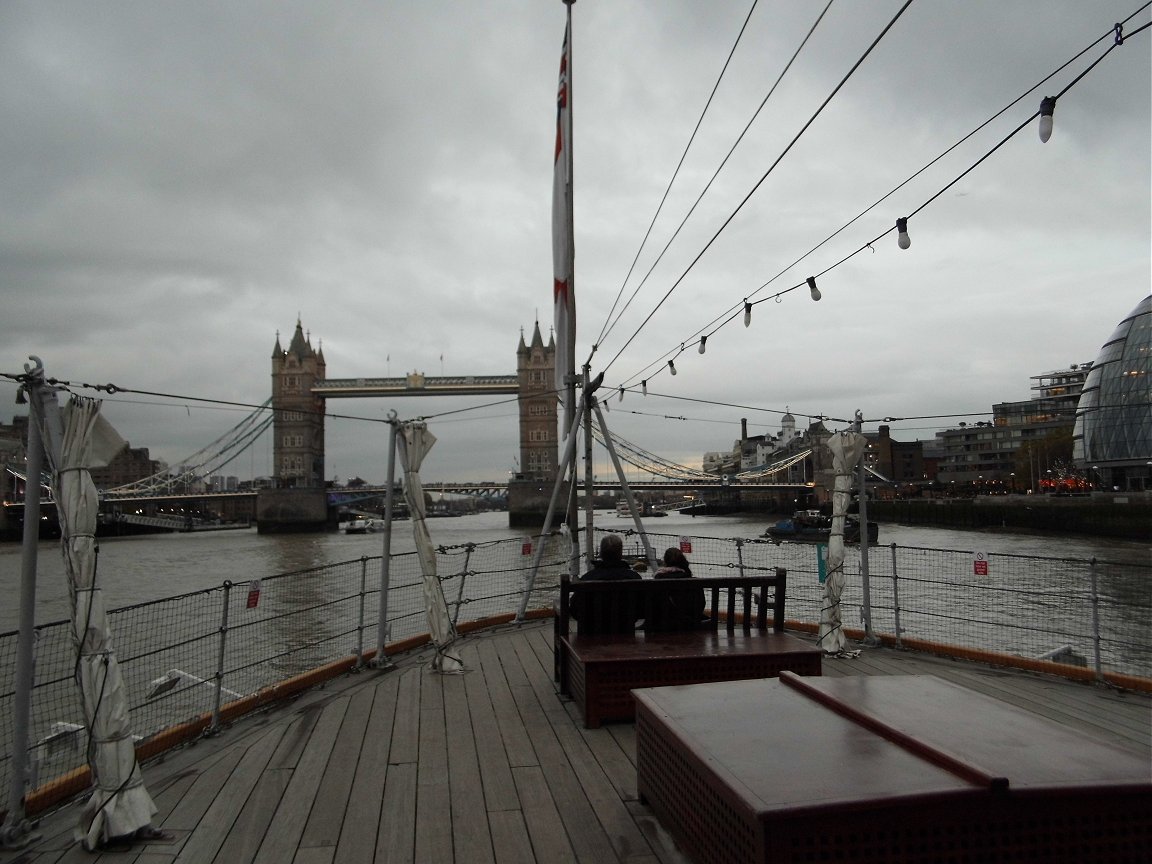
[747, 314]
[1047, 106]
[672, 366]
[816, 295]
[703, 342]
[644, 387]
[902, 239]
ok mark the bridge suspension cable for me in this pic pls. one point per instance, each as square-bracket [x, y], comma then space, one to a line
[776, 467]
[206, 461]
[638, 457]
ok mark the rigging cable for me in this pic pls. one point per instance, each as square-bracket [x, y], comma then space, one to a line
[732, 311]
[606, 328]
[711, 180]
[676, 351]
[760, 182]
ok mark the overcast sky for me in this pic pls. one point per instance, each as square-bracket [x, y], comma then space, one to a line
[180, 181]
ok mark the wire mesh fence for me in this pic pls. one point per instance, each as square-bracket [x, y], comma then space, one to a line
[1089, 612]
[182, 657]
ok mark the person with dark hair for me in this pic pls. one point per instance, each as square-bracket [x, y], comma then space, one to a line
[683, 608]
[674, 565]
[612, 612]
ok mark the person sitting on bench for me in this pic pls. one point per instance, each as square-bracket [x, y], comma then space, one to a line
[683, 608]
[614, 613]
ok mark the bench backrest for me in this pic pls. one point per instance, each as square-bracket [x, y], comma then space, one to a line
[744, 602]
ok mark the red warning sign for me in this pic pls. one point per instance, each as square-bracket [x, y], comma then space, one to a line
[980, 564]
[686, 545]
[253, 594]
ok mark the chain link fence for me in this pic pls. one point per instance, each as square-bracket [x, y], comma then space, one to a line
[1084, 612]
[184, 657]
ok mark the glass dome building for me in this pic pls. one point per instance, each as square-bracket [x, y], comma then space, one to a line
[1112, 437]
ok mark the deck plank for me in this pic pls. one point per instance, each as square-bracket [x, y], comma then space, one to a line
[406, 725]
[287, 826]
[206, 789]
[604, 799]
[327, 815]
[510, 841]
[491, 754]
[545, 829]
[512, 733]
[252, 758]
[357, 842]
[396, 842]
[585, 832]
[471, 839]
[433, 800]
[243, 841]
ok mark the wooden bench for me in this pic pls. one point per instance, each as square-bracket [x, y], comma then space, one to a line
[738, 640]
[893, 768]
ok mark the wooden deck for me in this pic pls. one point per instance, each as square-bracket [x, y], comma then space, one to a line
[489, 766]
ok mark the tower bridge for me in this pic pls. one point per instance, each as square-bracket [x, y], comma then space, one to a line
[301, 388]
[300, 499]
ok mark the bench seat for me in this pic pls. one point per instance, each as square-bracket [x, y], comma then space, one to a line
[606, 669]
[742, 638]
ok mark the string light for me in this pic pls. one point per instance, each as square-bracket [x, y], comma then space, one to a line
[644, 387]
[902, 239]
[1047, 109]
[1047, 106]
[672, 366]
[621, 399]
[703, 342]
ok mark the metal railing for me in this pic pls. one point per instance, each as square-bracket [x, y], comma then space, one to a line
[190, 655]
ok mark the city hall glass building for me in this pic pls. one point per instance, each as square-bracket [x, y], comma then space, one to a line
[1113, 432]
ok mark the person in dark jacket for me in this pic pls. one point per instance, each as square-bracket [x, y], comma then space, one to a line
[611, 564]
[683, 608]
[613, 612]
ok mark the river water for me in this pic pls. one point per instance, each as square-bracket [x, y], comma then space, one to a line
[149, 567]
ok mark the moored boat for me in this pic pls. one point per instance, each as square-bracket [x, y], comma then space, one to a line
[816, 527]
[360, 525]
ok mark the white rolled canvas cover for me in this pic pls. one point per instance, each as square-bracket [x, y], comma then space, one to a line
[846, 448]
[413, 443]
[120, 805]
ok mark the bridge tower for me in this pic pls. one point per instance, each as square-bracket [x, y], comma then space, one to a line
[530, 489]
[536, 369]
[298, 415]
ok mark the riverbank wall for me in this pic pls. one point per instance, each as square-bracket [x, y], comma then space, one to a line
[1122, 517]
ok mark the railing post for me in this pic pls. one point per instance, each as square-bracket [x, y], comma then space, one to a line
[219, 676]
[1095, 619]
[381, 661]
[16, 830]
[896, 597]
[740, 555]
[463, 578]
[360, 619]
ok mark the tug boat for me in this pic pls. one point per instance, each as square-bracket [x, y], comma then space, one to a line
[815, 527]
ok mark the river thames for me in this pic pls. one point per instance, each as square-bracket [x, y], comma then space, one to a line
[149, 567]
